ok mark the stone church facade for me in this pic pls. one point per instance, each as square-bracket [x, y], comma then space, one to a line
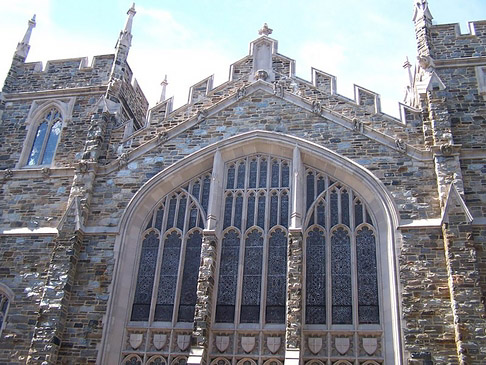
[269, 220]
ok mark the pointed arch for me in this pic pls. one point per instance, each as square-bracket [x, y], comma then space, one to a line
[371, 191]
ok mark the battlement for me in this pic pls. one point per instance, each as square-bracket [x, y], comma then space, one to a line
[448, 41]
[59, 74]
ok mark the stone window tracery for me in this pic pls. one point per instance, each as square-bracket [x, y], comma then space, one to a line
[46, 139]
[255, 220]
[170, 255]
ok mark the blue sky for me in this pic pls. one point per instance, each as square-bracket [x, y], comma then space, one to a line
[362, 42]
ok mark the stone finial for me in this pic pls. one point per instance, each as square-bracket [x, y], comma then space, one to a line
[408, 66]
[128, 25]
[265, 30]
[421, 10]
[23, 47]
[164, 84]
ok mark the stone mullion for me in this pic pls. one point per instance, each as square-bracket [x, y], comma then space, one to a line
[51, 319]
[204, 309]
[464, 287]
[293, 330]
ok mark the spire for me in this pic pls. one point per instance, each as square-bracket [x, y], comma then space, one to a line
[131, 13]
[23, 47]
[123, 47]
[164, 87]
[421, 11]
[125, 38]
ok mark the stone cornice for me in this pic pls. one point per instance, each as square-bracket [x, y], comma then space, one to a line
[57, 93]
[460, 62]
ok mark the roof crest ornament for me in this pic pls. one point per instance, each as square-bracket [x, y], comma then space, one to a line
[265, 30]
[421, 10]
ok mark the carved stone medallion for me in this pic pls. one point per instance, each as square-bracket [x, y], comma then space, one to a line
[222, 343]
[159, 341]
[135, 340]
[315, 344]
[273, 344]
[248, 343]
[342, 344]
[370, 345]
[183, 341]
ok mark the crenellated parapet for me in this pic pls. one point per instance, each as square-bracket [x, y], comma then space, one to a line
[449, 42]
[58, 74]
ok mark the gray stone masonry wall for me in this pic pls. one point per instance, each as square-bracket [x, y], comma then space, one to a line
[426, 308]
[90, 293]
[33, 202]
[474, 177]
[448, 43]
[59, 74]
[412, 182]
[24, 263]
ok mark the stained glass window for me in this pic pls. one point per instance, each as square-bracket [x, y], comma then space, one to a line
[367, 277]
[171, 247]
[228, 276]
[46, 139]
[341, 277]
[252, 272]
[276, 277]
[189, 277]
[316, 277]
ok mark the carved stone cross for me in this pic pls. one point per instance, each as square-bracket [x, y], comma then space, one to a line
[266, 31]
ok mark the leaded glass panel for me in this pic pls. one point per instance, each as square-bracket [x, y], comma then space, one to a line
[252, 272]
[334, 208]
[284, 209]
[159, 218]
[261, 210]
[285, 175]
[228, 210]
[316, 277]
[341, 277]
[230, 177]
[253, 174]
[250, 213]
[276, 277]
[228, 276]
[52, 143]
[168, 277]
[241, 176]
[345, 207]
[145, 279]
[310, 189]
[172, 212]
[367, 277]
[189, 277]
[181, 214]
[205, 192]
[263, 174]
[37, 145]
[273, 209]
[275, 174]
[238, 211]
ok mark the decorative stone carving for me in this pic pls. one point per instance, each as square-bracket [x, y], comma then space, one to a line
[278, 89]
[123, 159]
[265, 30]
[159, 341]
[135, 340]
[248, 344]
[241, 93]
[183, 341]
[342, 344]
[370, 345]
[222, 343]
[261, 75]
[8, 174]
[446, 149]
[273, 344]
[83, 167]
[162, 136]
[46, 171]
[401, 145]
[358, 125]
[315, 344]
[201, 115]
[316, 107]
